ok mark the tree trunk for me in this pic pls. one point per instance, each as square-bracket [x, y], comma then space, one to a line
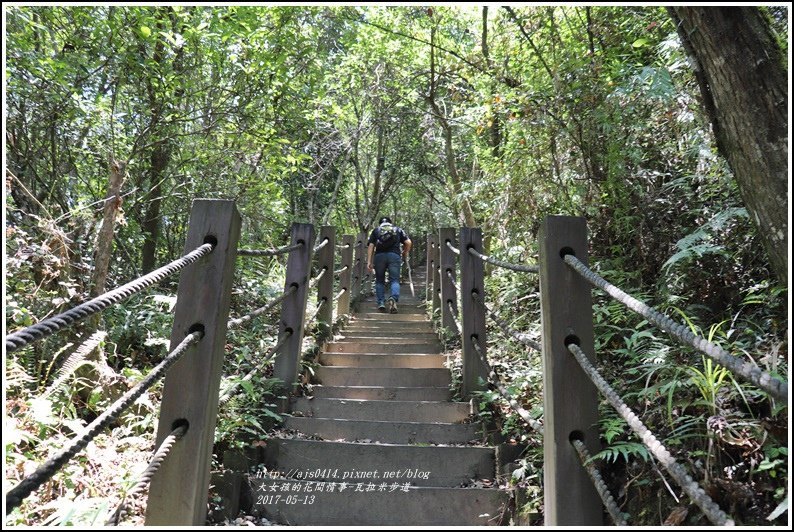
[739, 68]
[151, 221]
[104, 241]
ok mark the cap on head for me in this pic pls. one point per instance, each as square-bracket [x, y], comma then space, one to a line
[385, 219]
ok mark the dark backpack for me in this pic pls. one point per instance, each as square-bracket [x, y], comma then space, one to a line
[386, 238]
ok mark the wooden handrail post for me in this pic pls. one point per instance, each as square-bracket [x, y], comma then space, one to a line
[359, 265]
[448, 264]
[346, 259]
[325, 287]
[178, 492]
[570, 400]
[293, 310]
[430, 266]
[475, 373]
[436, 277]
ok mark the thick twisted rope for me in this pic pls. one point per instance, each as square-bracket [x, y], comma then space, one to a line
[311, 318]
[321, 245]
[261, 310]
[51, 325]
[712, 511]
[452, 280]
[339, 294]
[342, 246]
[598, 483]
[521, 337]
[231, 391]
[454, 315]
[146, 477]
[503, 264]
[317, 277]
[46, 471]
[268, 252]
[340, 270]
[775, 387]
[452, 248]
[496, 381]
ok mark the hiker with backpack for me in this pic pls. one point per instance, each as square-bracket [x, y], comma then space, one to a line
[383, 254]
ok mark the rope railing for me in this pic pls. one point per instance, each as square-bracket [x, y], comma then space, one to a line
[268, 252]
[46, 471]
[146, 477]
[452, 280]
[775, 387]
[339, 294]
[311, 318]
[598, 483]
[51, 325]
[231, 391]
[503, 264]
[342, 269]
[496, 381]
[342, 246]
[316, 278]
[321, 245]
[452, 248]
[520, 337]
[261, 310]
[711, 510]
[454, 315]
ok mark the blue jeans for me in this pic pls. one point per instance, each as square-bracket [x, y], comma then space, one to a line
[384, 261]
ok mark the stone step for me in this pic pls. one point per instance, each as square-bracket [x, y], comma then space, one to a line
[351, 462]
[383, 335]
[385, 316]
[367, 360]
[384, 431]
[410, 377]
[368, 410]
[375, 504]
[407, 345]
[402, 329]
[383, 393]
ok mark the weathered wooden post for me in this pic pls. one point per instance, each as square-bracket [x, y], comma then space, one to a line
[436, 277]
[359, 265]
[325, 287]
[293, 309]
[346, 259]
[448, 262]
[475, 372]
[178, 491]
[430, 266]
[570, 401]
[366, 278]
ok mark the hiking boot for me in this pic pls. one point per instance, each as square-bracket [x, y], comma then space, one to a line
[392, 306]
[381, 308]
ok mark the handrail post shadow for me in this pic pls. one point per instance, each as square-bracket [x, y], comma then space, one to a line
[293, 311]
[346, 259]
[475, 373]
[325, 288]
[447, 262]
[570, 400]
[178, 491]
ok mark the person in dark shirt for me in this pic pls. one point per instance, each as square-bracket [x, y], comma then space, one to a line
[383, 253]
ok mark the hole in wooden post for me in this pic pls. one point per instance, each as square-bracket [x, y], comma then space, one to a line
[567, 251]
[196, 327]
[571, 339]
[288, 330]
[301, 242]
[181, 422]
[576, 435]
[211, 240]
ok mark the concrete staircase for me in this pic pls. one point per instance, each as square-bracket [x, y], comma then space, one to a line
[384, 444]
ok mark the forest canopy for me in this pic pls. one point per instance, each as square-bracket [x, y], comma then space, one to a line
[437, 116]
